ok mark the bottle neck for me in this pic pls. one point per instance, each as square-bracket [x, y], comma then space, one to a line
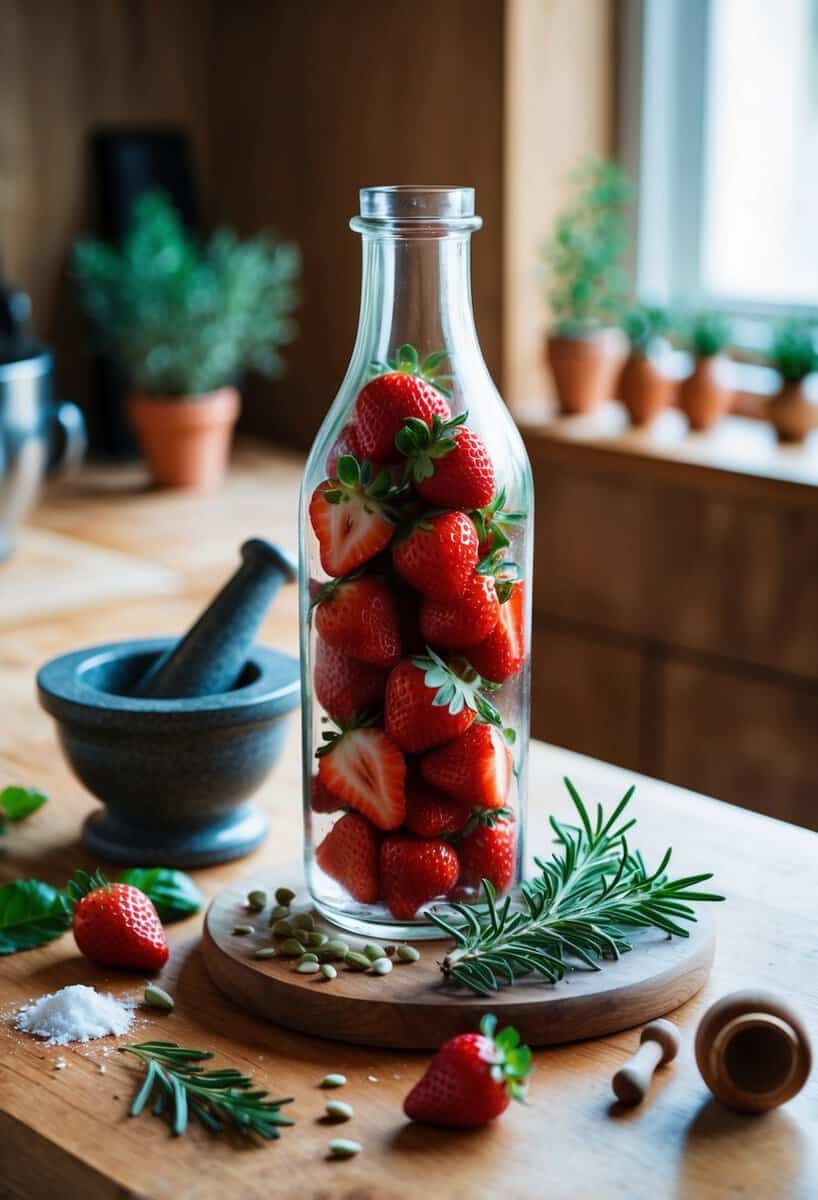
[416, 289]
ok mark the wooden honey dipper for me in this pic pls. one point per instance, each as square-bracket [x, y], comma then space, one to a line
[659, 1044]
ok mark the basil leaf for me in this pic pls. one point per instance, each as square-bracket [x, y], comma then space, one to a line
[19, 802]
[174, 894]
[31, 914]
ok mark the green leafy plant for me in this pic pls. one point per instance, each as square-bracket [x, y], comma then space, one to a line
[184, 317]
[587, 285]
[174, 894]
[181, 1088]
[31, 914]
[575, 912]
[792, 350]
[17, 803]
[643, 326]
[706, 333]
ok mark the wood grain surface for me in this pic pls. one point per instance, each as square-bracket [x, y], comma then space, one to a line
[67, 1133]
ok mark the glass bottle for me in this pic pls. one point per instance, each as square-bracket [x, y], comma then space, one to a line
[415, 571]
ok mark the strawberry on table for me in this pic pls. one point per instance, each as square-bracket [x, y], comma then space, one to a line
[116, 924]
[384, 404]
[438, 555]
[351, 517]
[359, 616]
[322, 799]
[344, 686]
[475, 768]
[366, 770]
[457, 624]
[431, 813]
[487, 849]
[349, 854]
[471, 1079]
[415, 871]
[447, 462]
[502, 654]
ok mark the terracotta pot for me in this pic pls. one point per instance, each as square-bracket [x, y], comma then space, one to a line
[703, 398]
[791, 413]
[186, 439]
[584, 369]
[643, 388]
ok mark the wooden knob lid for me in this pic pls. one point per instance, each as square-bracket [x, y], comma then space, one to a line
[753, 1051]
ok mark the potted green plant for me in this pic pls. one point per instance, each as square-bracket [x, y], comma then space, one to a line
[644, 388]
[185, 319]
[793, 354]
[587, 288]
[704, 396]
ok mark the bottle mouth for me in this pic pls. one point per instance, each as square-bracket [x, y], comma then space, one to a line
[416, 208]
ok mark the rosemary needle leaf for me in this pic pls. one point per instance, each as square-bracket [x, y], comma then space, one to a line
[575, 912]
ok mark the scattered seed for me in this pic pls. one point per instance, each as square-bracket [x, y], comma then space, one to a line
[339, 1110]
[284, 896]
[373, 1078]
[243, 930]
[156, 997]
[344, 1148]
[372, 951]
[307, 956]
[381, 966]
[60, 1064]
[328, 971]
[292, 948]
[102, 1068]
[282, 928]
[330, 1081]
[265, 952]
[357, 962]
[279, 913]
[389, 950]
[304, 921]
[308, 968]
[333, 949]
[256, 900]
[316, 938]
[407, 954]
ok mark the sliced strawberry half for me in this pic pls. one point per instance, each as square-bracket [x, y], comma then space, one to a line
[344, 686]
[322, 799]
[349, 854]
[475, 769]
[350, 516]
[366, 770]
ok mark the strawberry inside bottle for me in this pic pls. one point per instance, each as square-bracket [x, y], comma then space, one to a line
[416, 538]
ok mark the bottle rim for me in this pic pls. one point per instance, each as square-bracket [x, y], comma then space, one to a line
[409, 206]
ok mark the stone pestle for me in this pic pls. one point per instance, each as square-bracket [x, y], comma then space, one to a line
[210, 658]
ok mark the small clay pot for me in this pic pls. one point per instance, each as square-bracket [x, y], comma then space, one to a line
[703, 398]
[643, 388]
[186, 439]
[791, 413]
[584, 369]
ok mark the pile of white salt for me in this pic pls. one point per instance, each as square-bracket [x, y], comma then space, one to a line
[74, 1014]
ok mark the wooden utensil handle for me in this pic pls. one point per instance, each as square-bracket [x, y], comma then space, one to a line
[631, 1082]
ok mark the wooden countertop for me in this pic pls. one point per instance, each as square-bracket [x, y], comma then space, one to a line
[106, 559]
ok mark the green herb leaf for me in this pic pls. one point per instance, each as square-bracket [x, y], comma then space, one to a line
[16, 803]
[174, 894]
[31, 914]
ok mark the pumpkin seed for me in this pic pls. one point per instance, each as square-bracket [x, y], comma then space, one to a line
[156, 997]
[330, 1081]
[265, 952]
[381, 966]
[328, 971]
[292, 948]
[408, 954]
[339, 1110]
[357, 962]
[256, 900]
[303, 921]
[316, 938]
[243, 930]
[372, 951]
[334, 948]
[280, 912]
[308, 968]
[344, 1148]
[282, 929]
[308, 957]
[284, 896]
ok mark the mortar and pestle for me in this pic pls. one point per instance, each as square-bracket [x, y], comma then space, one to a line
[174, 736]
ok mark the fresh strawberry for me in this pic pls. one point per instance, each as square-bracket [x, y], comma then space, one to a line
[116, 924]
[345, 443]
[448, 463]
[350, 516]
[322, 799]
[503, 652]
[345, 687]
[413, 712]
[487, 849]
[430, 813]
[414, 871]
[359, 616]
[456, 624]
[438, 555]
[474, 769]
[349, 854]
[390, 398]
[366, 770]
[471, 1079]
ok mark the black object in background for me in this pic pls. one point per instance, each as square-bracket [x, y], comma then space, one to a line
[127, 162]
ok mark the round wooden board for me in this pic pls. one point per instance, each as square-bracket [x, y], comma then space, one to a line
[412, 1008]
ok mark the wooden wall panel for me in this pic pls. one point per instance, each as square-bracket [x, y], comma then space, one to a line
[316, 100]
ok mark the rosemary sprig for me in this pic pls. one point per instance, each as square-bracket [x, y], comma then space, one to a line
[575, 912]
[180, 1089]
